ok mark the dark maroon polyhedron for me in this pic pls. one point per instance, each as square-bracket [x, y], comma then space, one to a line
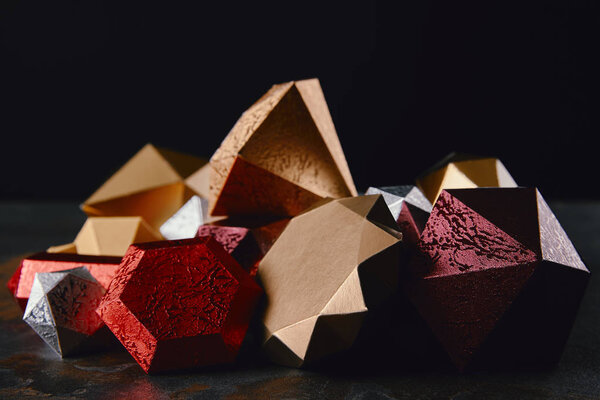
[496, 278]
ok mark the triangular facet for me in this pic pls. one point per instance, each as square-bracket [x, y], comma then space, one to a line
[225, 156]
[252, 190]
[297, 336]
[199, 181]
[184, 164]
[394, 201]
[504, 177]
[154, 205]
[459, 239]
[347, 299]
[310, 90]
[146, 170]
[481, 172]
[185, 222]
[513, 210]
[289, 145]
[556, 245]
[463, 308]
[454, 178]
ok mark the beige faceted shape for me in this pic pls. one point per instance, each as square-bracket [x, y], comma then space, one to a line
[330, 265]
[109, 236]
[199, 181]
[286, 139]
[461, 171]
[151, 185]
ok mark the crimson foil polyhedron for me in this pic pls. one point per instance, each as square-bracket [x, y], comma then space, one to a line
[180, 304]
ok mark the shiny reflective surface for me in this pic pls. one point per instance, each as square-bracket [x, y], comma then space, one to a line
[30, 369]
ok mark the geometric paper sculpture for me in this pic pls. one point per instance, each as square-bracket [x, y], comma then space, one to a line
[330, 266]
[102, 268]
[409, 207]
[239, 242]
[463, 171]
[282, 155]
[185, 222]
[62, 309]
[497, 279]
[180, 304]
[109, 236]
[150, 185]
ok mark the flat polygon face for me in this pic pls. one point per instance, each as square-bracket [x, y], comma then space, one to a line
[457, 239]
[180, 292]
[74, 301]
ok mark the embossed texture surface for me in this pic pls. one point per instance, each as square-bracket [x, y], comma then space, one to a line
[103, 269]
[62, 309]
[483, 283]
[239, 242]
[282, 155]
[180, 304]
[328, 267]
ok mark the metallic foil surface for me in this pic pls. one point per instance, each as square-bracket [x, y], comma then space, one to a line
[185, 222]
[484, 284]
[62, 309]
[409, 207]
[239, 242]
[102, 268]
[180, 304]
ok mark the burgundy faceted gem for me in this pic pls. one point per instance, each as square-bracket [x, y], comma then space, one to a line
[247, 239]
[180, 304]
[239, 242]
[496, 277]
[102, 268]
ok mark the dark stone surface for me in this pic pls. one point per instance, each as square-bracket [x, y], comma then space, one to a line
[30, 369]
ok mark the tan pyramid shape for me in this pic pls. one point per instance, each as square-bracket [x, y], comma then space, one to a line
[328, 267]
[460, 171]
[282, 155]
[151, 185]
[109, 236]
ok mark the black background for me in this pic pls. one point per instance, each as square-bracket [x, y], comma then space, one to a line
[85, 84]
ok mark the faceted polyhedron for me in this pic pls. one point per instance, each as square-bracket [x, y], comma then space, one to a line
[109, 236]
[282, 155]
[62, 309]
[330, 265]
[180, 304]
[102, 268]
[152, 184]
[463, 171]
[496, 277]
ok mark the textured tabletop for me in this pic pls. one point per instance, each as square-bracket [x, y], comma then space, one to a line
[30, 369]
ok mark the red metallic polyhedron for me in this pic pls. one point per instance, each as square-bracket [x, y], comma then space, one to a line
[102, 268]
[180, 304]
